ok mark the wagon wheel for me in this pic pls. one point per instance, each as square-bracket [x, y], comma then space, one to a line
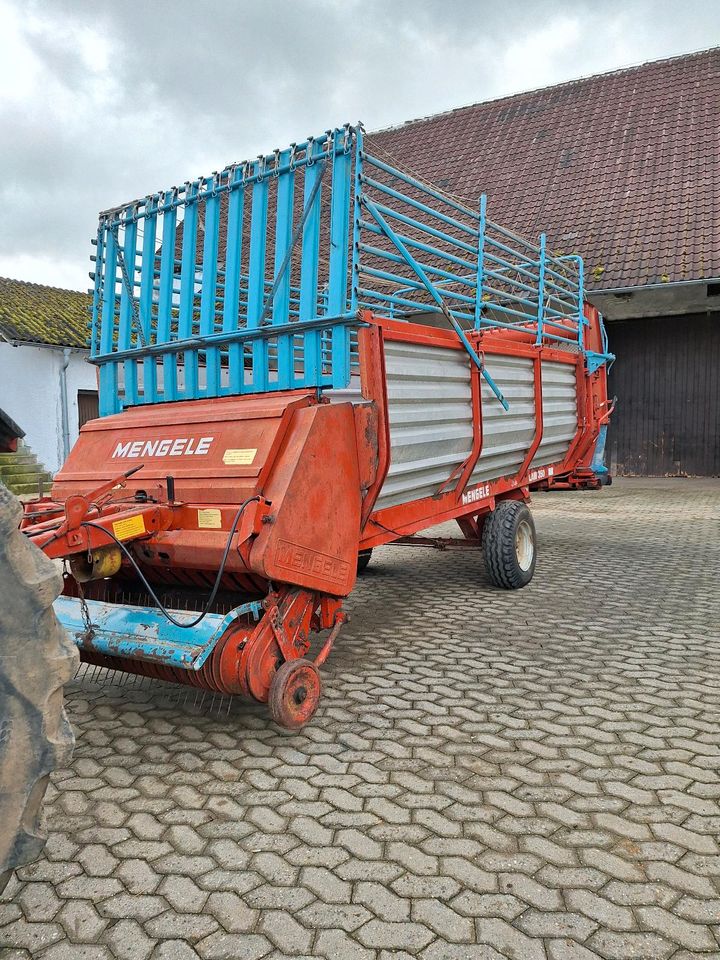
[510, 545]
[295, 693]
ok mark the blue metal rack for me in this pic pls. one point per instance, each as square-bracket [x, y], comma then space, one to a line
[252, 279]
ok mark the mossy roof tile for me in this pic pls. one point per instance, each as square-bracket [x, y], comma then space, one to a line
[34, 313]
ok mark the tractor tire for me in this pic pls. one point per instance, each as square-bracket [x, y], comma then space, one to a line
[36, 659]
[509, 545]
[363, 560]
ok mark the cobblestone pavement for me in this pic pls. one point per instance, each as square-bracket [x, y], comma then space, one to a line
[530, 775]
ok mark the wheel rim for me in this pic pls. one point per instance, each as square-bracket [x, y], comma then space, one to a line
[524, 545]
[295, 694]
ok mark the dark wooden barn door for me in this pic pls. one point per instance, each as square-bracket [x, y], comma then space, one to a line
[87, 406]
[667, 381]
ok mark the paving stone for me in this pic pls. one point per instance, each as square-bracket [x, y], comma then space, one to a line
[443, 921]
[631, 946]
[38, 902]
[81, 921]
[559, 792]
[324, 884]
[488, 905]
[402, 936]
[180, 926]
[693, 936]
[233, 946]
[285, 932]
[231, 912]
[538, 923]
[77, 951]
[128, 941]
[569, 950]
[334, 944]
[175, 950]
[32, 937]
[89, 888]
[442, 950]
[338, 916]
[532, 892]
[137, 876]
[125, 906]
[268, 897]
[182, 894]
[385, 904]
[97, 861]
[508, 940]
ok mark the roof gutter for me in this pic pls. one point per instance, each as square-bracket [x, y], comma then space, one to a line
[651, 286]
[42, 346]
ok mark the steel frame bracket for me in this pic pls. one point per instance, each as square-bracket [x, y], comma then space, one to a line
[432, 290]
[595, 360]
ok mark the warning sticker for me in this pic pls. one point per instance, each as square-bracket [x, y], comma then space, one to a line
[132, 527]
[209, 519]
[240, 457]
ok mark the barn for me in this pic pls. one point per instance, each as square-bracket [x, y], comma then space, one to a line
[47, 387]
[623, 168]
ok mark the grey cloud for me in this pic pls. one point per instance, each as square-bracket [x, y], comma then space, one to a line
[190, 87]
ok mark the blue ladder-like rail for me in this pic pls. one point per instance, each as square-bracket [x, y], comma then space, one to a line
[252, 279]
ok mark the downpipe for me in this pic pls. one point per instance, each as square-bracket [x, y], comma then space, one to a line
[64, 404]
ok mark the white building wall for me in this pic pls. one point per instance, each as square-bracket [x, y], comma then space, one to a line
[30, 393]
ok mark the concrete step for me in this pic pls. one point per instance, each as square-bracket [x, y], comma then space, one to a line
[7, 459]
[19, 469]
[27, 482]
[29, 490]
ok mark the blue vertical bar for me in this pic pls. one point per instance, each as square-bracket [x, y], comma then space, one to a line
[109, 401]
[127, 305]
[97, 290]
[283, 236]
[187, 287]
[339, 241]
[256, 274]
[209, 289]
[147, 286]
[167, 274]
[481, 262]
[357, 217]
[541, 291]
[309, 269]
[581, 304]
[233, 258]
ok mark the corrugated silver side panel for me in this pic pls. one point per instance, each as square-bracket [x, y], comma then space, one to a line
[350, 394]
[430, 415]
[507, 434]
[559, 412]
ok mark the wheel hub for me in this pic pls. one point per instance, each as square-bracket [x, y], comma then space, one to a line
[524, 545]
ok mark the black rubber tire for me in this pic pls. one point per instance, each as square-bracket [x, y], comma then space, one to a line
[500, 531]
[36, 659]
[363, 560]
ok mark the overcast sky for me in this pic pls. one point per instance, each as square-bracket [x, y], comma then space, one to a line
[104, 101]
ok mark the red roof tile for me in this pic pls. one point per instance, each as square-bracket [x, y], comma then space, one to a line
[623, 168]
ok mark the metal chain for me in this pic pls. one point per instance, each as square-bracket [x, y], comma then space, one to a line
[85, 613]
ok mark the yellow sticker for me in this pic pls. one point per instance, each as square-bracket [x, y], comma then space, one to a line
[132, 527]
[240, 457]
[209, 519]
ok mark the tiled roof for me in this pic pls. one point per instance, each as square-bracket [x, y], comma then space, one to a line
[623, 168]
[33, 313]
